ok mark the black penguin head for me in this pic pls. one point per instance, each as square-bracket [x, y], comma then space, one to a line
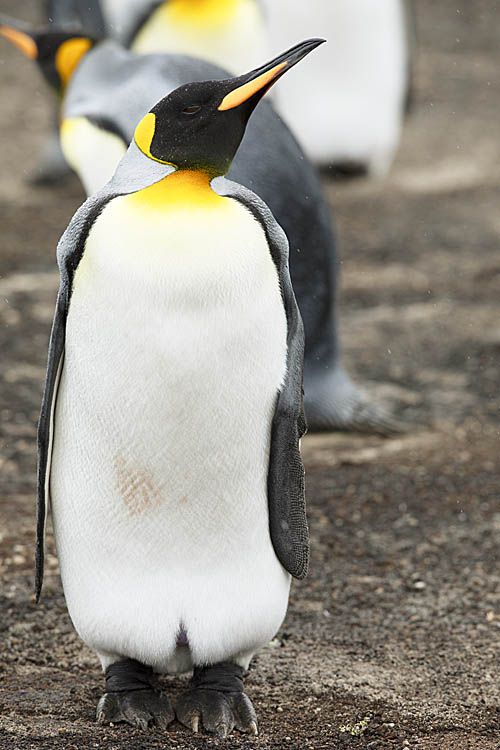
[200, 125]
[57, 52]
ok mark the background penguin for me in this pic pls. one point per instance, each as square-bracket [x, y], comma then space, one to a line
[228, 33]
[111, 89]
[52, 167]
[172, 414]
[364, 73]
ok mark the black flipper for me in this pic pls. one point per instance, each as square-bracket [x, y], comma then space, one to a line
[286, 497]
[69, 251]
[45, 431]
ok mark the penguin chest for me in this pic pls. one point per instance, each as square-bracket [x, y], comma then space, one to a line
[229, 33]
[175, 353]
[177, 331]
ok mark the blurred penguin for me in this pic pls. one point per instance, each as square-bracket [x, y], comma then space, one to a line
[363, 73]
[228, 33]
[52, 166]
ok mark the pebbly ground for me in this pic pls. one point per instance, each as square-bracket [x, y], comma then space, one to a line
[393, 640]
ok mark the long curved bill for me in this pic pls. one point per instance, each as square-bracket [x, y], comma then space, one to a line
[259, 81]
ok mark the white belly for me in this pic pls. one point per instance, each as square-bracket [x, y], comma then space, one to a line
[354, 110]
[233, 36]
[174, 355]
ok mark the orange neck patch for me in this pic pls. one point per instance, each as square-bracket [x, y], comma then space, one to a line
[184, 188]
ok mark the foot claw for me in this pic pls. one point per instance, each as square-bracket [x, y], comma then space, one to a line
[195, 723]
[218, 712]
[107, 709]
[221, 730]
[139, 708]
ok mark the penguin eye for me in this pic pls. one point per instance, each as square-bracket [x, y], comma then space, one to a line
[191, 110]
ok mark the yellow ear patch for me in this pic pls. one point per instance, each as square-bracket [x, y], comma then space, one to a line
[69, 55]
[23, 41]
[144, 133]
[242, 93]
[143, 136]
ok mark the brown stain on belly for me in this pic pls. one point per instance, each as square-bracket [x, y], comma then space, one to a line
[137, 487]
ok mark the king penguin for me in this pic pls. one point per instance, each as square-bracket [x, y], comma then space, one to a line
[172, 414]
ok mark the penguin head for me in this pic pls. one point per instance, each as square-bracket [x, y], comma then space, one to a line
[200, 125]
[57, 52]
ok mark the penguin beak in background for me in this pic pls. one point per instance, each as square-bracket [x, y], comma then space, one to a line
[20, 38]
[252, 86]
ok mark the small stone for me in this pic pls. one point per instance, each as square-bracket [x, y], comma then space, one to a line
[419, 585]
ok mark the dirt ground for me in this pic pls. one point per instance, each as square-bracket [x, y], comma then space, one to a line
[393, 639]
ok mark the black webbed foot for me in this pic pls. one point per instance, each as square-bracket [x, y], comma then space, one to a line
[217, 702]
[133, 695]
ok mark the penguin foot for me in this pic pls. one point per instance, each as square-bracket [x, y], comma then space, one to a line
[133, 695]
[344, 170]
[217, 702]
[140, 708]
[358, 416]
[335, 403]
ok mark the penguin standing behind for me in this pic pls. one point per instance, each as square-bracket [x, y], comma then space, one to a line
[107, 90]
[364, 75]
[170, 425]
[228, 33]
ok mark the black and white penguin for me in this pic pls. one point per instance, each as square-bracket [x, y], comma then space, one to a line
[172, 414]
